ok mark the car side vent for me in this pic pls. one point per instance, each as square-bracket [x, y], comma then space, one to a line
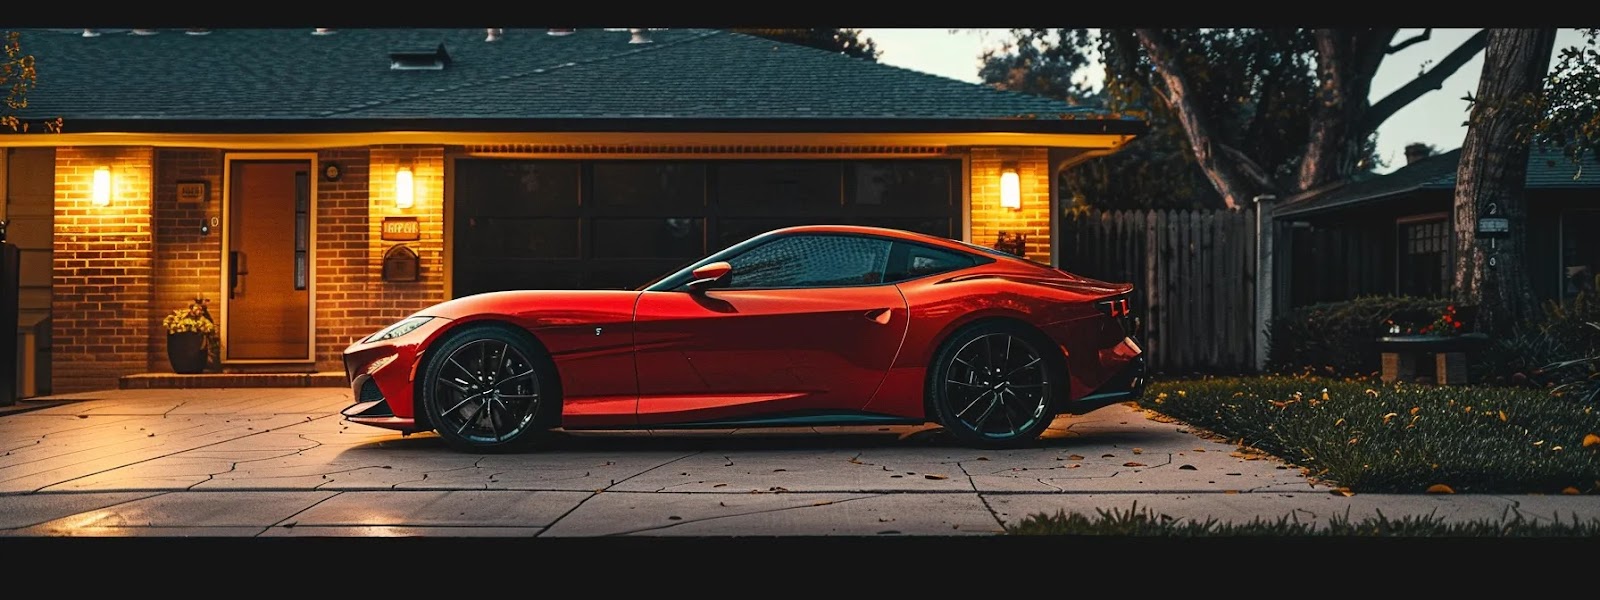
[419, 60]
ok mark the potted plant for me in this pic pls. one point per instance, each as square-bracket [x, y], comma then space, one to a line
[192, 341]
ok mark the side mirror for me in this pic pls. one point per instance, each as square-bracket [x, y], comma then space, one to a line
[707, 276]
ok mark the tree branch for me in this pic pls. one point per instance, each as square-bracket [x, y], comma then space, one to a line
[1426, 35]
[1248, 166]
[1178, 92]
[1424, 83]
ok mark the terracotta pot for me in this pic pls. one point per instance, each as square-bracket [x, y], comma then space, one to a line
[187, 352]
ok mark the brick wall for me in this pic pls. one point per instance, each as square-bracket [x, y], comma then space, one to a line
[188, 263]
[1033, 219]
[102, 262]
[352, 298]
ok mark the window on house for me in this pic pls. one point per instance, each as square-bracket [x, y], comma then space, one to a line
[1580, 251]
[1424, 255]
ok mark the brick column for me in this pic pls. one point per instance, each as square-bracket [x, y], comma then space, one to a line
[101, 291]
[188, 262]
[1033, 219]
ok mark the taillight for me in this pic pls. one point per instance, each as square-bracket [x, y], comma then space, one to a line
[1118, 309]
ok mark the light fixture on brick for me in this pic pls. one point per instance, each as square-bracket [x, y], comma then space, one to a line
[101, 191]
[404, 188]
[1010, 186]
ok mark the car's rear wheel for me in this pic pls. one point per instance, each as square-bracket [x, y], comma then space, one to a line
[488, 388]
[990, 384]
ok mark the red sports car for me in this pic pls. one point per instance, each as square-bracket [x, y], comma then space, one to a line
[812, 325]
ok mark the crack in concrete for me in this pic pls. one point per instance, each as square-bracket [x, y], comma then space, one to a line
[476, 464]
[174, 407]
[970, 483]
[574, 508]
[289, 519]
[753, 512]
[626, 479]
[994, 514]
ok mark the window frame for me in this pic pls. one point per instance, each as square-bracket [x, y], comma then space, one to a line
[1401, 251]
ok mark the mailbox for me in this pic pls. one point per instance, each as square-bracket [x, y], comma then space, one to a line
[400, 263]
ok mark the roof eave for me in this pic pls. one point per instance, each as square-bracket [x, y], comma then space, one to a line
[608, 124]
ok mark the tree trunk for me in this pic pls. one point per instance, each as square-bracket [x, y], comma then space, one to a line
[1490, 272]
[1346, 64]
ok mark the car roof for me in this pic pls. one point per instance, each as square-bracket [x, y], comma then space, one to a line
[897, 234]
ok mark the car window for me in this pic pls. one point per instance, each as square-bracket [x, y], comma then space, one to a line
[910, 261]
[811, 261]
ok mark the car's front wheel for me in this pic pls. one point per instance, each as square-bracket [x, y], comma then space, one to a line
[488, 388]
[990, 385]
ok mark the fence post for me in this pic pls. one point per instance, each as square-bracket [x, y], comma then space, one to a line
[1264, 275]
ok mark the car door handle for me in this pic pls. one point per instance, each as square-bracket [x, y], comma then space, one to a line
[881, 315]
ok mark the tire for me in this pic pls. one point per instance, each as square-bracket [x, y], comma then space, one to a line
[489, 388]
[991, 384]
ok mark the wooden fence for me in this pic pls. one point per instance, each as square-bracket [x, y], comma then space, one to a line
[1194, 276]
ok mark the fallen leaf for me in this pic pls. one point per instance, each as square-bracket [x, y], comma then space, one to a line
[1074, 457]
[1389, 416]
[1230, 491]
[1132, 464]
[1570, 491]
[1074, 465]
[935, 477]
[777, 489]
[823, 503]
[983, 458]
[779, 470]
[1502, 416]
[1591, 440]
[1108, 456]
[1416, 409]
[1539, 443]
[1439, 488]
[1186, 468]
[674, 518]
[1353, 441]
[1342, 491]
[83, 416]
[1372, 392]
[857, 462]
[1138, 450]
[1338, 422]
[1556, 449]
[1199, 449]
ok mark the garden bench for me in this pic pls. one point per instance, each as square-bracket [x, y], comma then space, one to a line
[1401, 353]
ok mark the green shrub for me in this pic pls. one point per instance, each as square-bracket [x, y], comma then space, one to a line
[1135, 522]
[1400, 438]
[1336, 338]
[1550, 351]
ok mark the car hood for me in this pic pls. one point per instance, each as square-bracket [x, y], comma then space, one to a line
[551, 305]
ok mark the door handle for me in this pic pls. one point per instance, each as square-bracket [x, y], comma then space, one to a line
[881, 315]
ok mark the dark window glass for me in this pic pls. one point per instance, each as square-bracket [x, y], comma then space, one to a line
[1424, 250]
[773, 188]
[910, 261]
[811, 261]
[516, 188]
[899, 186]
[649, 238]
[651, 187]
[492, 237]
[731, 231]
[1580, 251]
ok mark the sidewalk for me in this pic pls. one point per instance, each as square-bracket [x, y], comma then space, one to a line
[280, 462]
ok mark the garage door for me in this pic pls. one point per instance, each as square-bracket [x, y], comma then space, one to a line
[580, 224]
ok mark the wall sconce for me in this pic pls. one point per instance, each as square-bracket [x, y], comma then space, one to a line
[404, 188]
[1010, 187]
[101, 191]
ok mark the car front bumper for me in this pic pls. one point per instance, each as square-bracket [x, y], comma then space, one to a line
[382, 378]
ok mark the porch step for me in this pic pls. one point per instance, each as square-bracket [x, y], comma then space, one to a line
[139, 381]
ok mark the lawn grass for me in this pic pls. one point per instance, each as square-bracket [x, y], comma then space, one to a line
[1399, 438]
[1135, 522]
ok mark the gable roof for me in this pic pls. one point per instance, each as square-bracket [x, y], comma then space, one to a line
[1548, 168]
[235, 79]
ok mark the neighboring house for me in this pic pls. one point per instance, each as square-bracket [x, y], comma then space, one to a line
[275, 172]
[1393, 233]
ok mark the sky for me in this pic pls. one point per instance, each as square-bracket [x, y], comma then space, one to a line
[1436, 118]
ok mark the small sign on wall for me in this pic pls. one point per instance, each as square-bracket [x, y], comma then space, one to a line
[401, 229]
[193, 192]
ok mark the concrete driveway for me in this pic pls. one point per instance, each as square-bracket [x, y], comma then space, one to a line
[281, 462]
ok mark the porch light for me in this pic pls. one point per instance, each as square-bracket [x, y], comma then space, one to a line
[404, 190]
[101, 191]
[1010, 187]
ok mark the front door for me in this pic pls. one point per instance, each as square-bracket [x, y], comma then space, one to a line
[267, 266]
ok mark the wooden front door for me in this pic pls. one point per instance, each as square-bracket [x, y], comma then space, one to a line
[267, 265]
